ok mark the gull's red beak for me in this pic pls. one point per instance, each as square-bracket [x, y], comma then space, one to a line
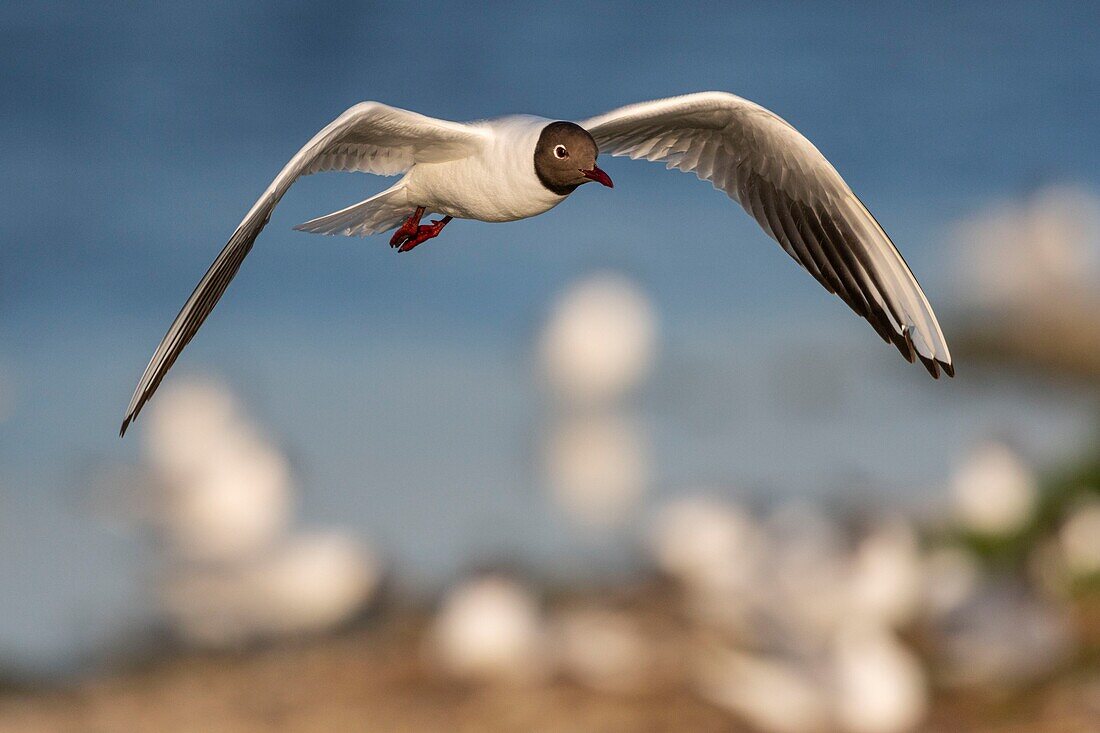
[598, 176]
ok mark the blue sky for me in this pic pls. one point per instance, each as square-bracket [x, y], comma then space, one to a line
[137, 138]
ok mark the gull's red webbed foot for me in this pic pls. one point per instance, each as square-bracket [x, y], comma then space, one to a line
[408, 228]
[424, 232]
[412, 232]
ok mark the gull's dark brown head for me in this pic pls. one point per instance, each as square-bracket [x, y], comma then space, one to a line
[565, 157]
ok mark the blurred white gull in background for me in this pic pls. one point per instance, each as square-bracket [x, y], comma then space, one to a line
[597, 347]
[880, 684]
[189, 427]
[604, 649]
[951, 578]
[597, 467]
[791, 620]
[715, 550]
[226, 491]
[808, 614]
[994, 491]
[599, 341]
[1029, 282]
[886, 575]
[310, 583]
[1030, 252]
[491, 628]
[233, 570]
[806, 578]
[1079, 538]
[1003, 636]
[771, 694]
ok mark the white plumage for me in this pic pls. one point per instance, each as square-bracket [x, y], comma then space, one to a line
[486, 170]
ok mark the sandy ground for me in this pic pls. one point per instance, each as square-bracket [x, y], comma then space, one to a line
[373, 679]
[377, 678]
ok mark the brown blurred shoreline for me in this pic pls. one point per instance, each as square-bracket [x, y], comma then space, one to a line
[376, 676]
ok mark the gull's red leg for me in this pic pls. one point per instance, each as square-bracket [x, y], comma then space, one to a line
[424, 232]
[409, 229]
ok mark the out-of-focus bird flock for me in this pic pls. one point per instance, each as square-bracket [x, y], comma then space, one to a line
[1027, 273]
[235, 569]
[788, 616]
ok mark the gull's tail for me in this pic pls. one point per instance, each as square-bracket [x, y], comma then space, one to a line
[379, 213]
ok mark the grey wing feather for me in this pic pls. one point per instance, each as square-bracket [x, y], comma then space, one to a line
[795, 195]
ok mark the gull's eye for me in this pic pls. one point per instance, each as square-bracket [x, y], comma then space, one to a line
[561, 152]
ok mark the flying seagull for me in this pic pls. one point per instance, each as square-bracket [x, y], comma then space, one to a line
[518, 166]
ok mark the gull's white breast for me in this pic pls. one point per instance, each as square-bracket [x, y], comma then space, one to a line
[496, 184]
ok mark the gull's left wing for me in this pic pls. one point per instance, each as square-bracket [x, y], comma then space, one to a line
[370, 137]
[799, 199]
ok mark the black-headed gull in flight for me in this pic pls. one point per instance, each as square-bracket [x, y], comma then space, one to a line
[518, 166]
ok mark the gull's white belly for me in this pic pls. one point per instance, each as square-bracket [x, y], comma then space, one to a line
[497, 185]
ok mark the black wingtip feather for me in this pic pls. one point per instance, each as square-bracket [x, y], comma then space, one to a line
[932, 365]
[910, 351]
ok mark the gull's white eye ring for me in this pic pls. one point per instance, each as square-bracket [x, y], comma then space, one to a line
[561, 152]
